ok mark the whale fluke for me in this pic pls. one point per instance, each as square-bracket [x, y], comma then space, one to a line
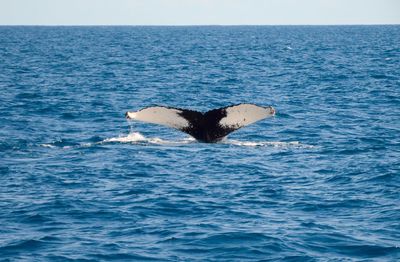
[209, 127]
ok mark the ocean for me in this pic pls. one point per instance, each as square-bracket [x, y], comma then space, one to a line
[319, 181]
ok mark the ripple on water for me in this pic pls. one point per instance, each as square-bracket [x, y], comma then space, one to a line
[317, 182]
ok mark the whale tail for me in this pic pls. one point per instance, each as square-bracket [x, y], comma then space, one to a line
[211, 126]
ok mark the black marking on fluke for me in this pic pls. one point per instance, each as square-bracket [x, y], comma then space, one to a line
[206, 127]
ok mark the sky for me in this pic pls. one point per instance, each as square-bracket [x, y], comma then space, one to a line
[198, 12]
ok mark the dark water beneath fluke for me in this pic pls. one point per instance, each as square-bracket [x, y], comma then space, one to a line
[319, 181]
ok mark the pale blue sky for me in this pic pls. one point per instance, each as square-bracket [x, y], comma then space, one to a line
[198, 12]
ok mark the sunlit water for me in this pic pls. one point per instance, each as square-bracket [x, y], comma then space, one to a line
[319, 181]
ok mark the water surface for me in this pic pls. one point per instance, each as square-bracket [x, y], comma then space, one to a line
[319, 181]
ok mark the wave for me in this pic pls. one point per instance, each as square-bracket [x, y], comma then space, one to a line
[137, 137]
[140, 139]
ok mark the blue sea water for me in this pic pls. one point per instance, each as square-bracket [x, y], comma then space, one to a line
[317, 182]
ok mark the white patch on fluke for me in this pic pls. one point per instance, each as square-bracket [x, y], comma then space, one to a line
[244, 115]
[160, 115]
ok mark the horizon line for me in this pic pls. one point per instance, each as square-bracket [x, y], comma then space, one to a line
[199, 25]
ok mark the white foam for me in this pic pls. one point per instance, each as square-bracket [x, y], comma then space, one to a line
[292, 144]
[47, 145]
[132, 137]
[53, 146]
[137, 137]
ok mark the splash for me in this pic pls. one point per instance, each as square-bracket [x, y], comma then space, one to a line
[131, 137]
[137, 137]
[292, 144]
[140, 139]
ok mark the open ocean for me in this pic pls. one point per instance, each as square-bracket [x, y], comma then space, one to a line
[320, 181]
